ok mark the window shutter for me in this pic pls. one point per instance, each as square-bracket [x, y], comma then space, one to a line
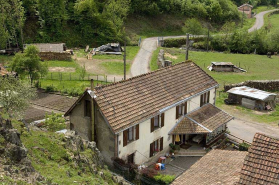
[201, 101]
[152, 125]
[185, 108]
[208, 94]
[161, 143]
[137, 132]
[125, 137]
[162, 119]
[177, 112]
[151, 150]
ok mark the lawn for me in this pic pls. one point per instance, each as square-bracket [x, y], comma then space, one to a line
[6, 59]
[259, 9]
[72, 87]
[274, 21]
[258, 67]
[56, 63]
[115, 68]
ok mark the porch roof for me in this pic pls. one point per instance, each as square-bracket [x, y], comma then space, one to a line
[205, 119]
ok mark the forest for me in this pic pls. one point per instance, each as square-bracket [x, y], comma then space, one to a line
[82, 22]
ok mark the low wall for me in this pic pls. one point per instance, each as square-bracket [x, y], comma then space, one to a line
[265, 85]
[55, 56]
[161, 59]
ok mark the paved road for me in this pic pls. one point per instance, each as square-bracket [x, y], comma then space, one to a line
[246, 130]
[259, 20]
[141, 62]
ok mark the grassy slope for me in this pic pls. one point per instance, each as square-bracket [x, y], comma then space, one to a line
[53, 161]
[162, 25]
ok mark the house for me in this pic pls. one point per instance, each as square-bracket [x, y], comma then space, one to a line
[247, 9]
[224, 67]
[252, 98]
[216, 167]
[262, 162]
[136, 119]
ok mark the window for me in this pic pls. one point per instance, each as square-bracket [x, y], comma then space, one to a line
[130, 135]
[156, 146]
[181, 110]
[87, 107]
[204, 98]
[157, 122]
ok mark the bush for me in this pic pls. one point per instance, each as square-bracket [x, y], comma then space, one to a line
[244, 147]
[50, 89]
[149, 173]
[164, 179]
[178, 42]
[172, 145]
[54, 122]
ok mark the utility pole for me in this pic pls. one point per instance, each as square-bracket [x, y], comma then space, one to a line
[207, 40]
[187, 46]
[124, 57]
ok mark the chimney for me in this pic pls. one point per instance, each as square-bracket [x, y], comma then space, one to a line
[92, 84]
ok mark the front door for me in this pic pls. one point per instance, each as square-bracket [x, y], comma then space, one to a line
[131, 158]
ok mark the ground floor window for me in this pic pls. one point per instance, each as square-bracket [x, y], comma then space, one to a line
[156, 146]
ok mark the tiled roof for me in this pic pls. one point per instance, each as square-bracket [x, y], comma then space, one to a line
[137, 99]
[187, 126]
[261, 165]
[210, 116]
[218, 167]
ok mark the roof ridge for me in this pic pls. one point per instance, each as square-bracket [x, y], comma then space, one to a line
[145, 74]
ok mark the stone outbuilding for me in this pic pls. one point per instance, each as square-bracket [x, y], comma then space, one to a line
[224, 67]
[247, 9]
[252, 98]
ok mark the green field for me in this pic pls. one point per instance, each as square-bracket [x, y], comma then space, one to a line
[55, 63]
[259, 9]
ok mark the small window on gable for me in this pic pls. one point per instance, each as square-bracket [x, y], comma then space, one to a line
[87, 107]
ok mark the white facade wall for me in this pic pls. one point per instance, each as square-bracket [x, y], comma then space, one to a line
[141, 147]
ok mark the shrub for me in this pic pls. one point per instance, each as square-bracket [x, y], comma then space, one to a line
[50, 89]
[244, 146]
[164, 179]
[54, 122]
[171, 145]
[149, 173]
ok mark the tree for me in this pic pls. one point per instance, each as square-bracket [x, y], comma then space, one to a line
[193, 26]
[14, 97]
[29, 63]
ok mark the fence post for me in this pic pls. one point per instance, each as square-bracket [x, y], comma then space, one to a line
[114, 79]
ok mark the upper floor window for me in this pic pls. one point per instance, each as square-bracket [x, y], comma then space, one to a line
[205, 98]
[130, 135]
[157, 122]
[87, 107]
[156, 146]
[181, 110]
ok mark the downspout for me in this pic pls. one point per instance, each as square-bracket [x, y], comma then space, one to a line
[92, 113]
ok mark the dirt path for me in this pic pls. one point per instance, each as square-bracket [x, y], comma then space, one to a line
[260, 20]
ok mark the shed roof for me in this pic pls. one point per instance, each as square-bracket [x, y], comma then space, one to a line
[137, 99]
[251, 92]
[217, 167]
[202, 120]
[261, 166]
[245, 5]
[49, 47]
[222, 63]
